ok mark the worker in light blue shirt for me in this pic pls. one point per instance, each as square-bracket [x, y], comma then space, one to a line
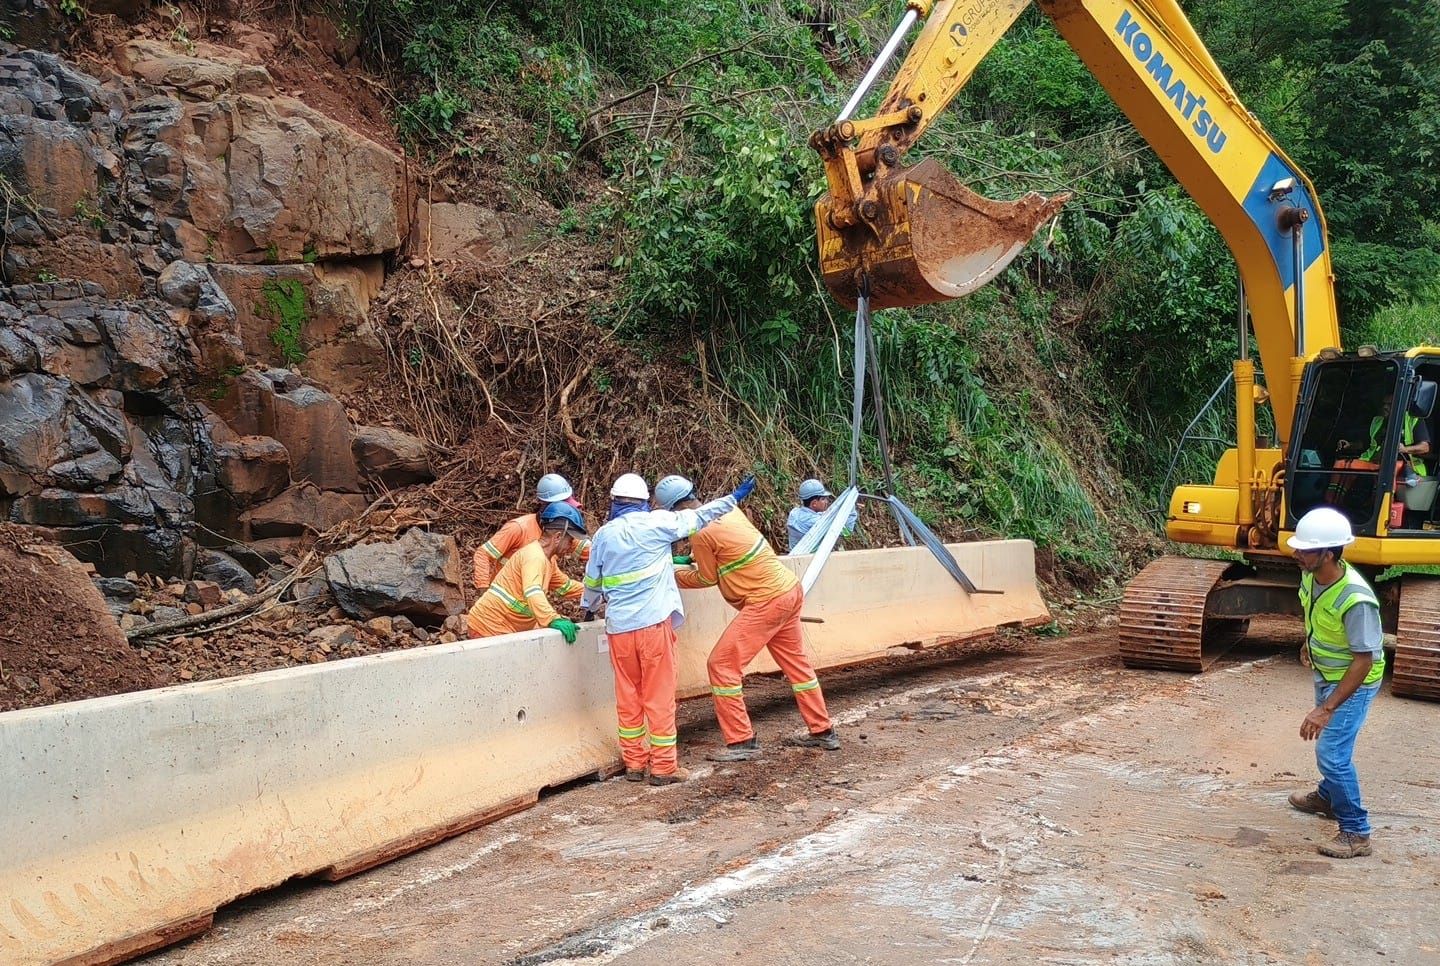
[814, 501]
[631, 571]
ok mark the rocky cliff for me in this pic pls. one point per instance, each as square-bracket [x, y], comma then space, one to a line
[189, 255]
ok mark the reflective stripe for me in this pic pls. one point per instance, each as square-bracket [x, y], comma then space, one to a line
[518, 606]
[566, 587]
[492, 550]
[631, 734]
[809, 685]
[534, 590]
[750, 555]
[721, 691]
[633, 577]
[662, 741]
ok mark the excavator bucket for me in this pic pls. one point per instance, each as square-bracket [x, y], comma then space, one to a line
[930, 238]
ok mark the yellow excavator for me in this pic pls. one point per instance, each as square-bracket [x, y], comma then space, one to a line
[902, 235]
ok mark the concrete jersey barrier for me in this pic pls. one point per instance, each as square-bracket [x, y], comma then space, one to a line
[126, 821]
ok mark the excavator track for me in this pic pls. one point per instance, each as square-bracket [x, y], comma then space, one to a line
[1417, 640]
[1162, 616]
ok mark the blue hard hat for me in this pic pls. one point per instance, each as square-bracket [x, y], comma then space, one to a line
[553, 488]
[810, 489]
[556, 512]
[672, 490]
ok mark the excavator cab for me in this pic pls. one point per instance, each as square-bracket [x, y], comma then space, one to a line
[1356, 411]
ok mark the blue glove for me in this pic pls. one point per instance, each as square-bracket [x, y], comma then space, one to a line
[746, 487]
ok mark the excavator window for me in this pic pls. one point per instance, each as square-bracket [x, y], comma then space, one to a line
[1422, 508]
[1347, 410]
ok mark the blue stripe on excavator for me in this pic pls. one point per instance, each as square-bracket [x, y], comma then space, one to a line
[1265, 214]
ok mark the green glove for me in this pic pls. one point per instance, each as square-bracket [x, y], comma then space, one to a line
[680, 560]
[568, 629]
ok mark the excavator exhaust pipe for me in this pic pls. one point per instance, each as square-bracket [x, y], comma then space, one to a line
[925, 237]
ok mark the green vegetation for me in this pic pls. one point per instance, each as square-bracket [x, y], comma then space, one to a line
[287, 304]
[1045, 405]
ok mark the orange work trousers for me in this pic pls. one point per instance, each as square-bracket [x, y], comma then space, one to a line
[774, 624]
[644, 663]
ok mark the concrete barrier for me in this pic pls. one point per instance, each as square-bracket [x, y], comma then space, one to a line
[874, 600]
[126, 821]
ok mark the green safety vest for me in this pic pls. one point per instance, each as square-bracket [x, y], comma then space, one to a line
[1330, 652]
[1407, 438]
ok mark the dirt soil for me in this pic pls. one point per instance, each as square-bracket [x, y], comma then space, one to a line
[57, 642]
[1035, 803]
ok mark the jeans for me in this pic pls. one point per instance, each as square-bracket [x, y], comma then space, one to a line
[1339, 784]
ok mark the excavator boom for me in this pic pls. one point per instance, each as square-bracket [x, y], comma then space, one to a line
[917, 235]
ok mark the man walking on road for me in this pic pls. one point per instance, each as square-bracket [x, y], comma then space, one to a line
[631, 571]
[1344, 647]
[738, 558]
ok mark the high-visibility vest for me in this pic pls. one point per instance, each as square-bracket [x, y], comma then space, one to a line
[1407, 438]
[1330, 653]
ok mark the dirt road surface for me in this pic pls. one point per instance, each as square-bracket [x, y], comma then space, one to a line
[1035, 805]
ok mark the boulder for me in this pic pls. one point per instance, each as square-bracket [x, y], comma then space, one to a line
[148, 348]
[252, 469]
[326, 308]
[461, 231]
[207, 593]
[223, 570]
[302, 509]
[33, 430]
[390, 456]
[418, 576]
[315, 430]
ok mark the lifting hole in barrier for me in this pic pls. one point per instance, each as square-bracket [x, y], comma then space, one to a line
[520, 715]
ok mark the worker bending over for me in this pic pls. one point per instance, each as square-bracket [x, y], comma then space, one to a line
[814, 501]
[552, 489]
[631, 571]
[518, 598]
[1343, 646]
[735, 556]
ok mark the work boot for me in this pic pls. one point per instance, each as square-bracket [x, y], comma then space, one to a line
[634, 774]
[1346, 845]
[669, 778]
[826, 739]
[1312, 802]
[739, 751]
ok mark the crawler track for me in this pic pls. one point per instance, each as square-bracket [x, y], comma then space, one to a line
[1417, 640]
[1162, 617]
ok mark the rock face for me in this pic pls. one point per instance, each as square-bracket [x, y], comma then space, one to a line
[206, 230]
[390, 456]
[417, 576]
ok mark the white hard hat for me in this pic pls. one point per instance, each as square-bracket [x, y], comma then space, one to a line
[672, 490]
[810, 489]
[1321, 528]
[553, 488]
[631, 486]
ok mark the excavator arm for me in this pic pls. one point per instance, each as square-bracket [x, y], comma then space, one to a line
[915, 234]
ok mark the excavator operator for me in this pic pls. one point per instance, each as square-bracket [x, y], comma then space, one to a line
[1409, 469]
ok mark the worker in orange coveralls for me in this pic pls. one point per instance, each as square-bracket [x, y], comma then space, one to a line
[737, 557]
[518, 598]
[552, 489]
[631, 571]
